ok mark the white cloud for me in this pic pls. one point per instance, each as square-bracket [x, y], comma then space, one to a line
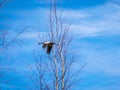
[100, 20]
[74, 14]
[33, 35]
[102, 61]
[100, 87]
[83, 31]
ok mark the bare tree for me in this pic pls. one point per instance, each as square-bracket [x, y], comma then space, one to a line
[4, 43]
[56, 70]
[7, 41]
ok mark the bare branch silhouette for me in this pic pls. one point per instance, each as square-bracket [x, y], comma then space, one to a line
[2, 2]
[55, 69]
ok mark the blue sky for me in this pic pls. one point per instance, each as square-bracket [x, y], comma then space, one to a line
[95, 28]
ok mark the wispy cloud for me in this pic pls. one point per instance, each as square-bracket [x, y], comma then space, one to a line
[100, 88]
[93, 22]
[97, 20]
[100, 20]
[84, 30]
[103, 60]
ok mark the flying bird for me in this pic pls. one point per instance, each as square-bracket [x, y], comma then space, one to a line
[48, 45]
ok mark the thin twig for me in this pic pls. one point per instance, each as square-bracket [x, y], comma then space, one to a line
[16, 37]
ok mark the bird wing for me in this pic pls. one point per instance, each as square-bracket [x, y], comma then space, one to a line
[49, 49]
[44, 45]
